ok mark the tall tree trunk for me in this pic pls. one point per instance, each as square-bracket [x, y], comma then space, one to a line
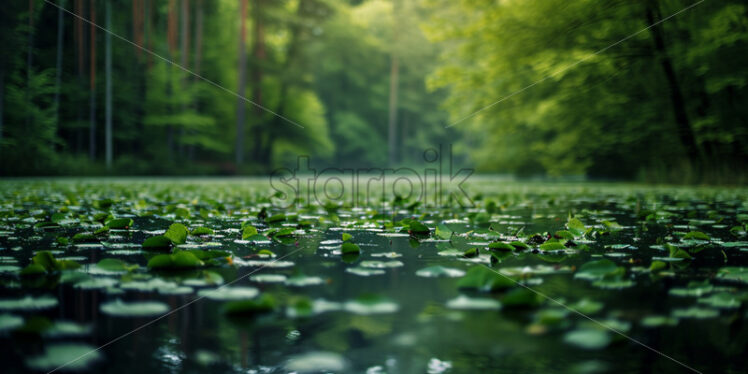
[108, 67]
[171, 38]
[29, 60]
[80, 45]
[184, 36]
[137, 25]
[198, 56]
[684, 130]
[149, 30]
[92, 87]
[394, 88]
[240, 103]
[2, 101]
[198, 37]
[58, 73]
[258, 52]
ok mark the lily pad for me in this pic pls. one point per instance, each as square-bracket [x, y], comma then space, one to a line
[73, 356]
[464, 302]
[229, 293]
[119, 308]
[484, 279]
[439, 271]
[588, 338]
[370, 304]
[29, 303]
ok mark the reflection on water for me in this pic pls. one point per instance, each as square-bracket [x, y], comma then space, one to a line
[390, 315]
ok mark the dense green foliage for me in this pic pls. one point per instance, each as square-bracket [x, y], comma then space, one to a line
[671, 97]
[529, 87]
[323, 65]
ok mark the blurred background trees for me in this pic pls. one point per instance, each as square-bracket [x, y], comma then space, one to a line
[374, 83]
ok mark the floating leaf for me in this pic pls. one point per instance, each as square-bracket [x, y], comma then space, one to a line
[248, 232]
[70, 356]
[676, 252]
[521, 297]
[696, 235]
[722, 300]
[177, 233]
[597, 269]
[499, 246]
[484, 279]
[115, 265]
[464, 302]
[695, 312]
[29, 303]
[157, 243]
[552, 246]
[120, 223]
[302, 281]
[202, 231]
[177, 260]
[316, 362]
[119, 308]
[370, 304]
[439, 271]
[576, 227]
[418, 228]
[657, 321]
[268, 278]
[263, 304]
[229, 293]
[349, 247]
[733, 273]
[10, 322]
[588, 338]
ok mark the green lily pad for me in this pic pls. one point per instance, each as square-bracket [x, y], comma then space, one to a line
[177, 260]
[722, 300]
[733, 273]
[474, 303]
[115, 265]
[73, 356]
[157, 243]
[484, 279]
[370, 304]
[10, 322]
[29, 303]
[598, 269]
[120, 223]
[229, 293]
[588, 338]
[202, 231]
[263, 304]
[177, 233]
[695, 312]
[439, 271]
[119, 308]
[349, 247]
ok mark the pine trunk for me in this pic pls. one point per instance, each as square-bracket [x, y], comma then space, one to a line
[240, 103]
[108, 130]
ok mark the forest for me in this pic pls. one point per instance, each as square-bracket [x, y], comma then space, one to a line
[649, 90]
[374, 186]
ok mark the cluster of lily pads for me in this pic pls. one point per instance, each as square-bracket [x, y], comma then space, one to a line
[212, 242]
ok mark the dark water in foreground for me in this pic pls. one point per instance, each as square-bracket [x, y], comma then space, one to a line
[417, 331]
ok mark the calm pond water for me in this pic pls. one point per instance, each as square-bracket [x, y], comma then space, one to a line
[378, 312]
